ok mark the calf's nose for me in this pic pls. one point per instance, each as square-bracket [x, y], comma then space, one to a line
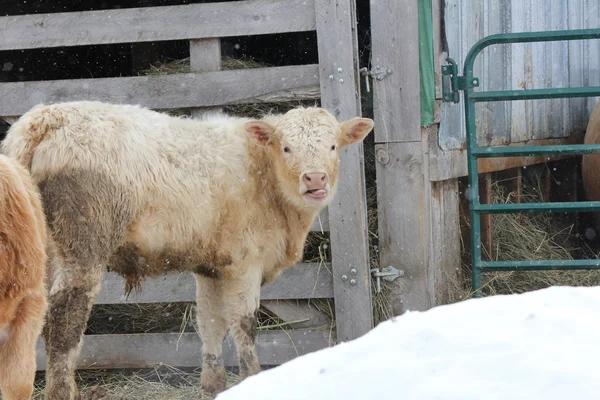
[315, 180]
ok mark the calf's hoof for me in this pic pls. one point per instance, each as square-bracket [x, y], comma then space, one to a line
[94, 393]
[62, 391]
[213, 380]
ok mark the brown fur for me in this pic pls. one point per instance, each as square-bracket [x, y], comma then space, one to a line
[141, 193]
[590, 164]
[22, 279]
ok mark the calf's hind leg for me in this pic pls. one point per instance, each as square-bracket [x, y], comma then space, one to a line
[70, 303]
[87, 213]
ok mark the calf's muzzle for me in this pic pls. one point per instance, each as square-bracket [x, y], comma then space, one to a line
[315, 180]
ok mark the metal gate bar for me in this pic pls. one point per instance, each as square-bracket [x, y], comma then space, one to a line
[452, 85]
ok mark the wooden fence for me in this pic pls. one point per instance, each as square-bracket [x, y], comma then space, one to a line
[334, 80]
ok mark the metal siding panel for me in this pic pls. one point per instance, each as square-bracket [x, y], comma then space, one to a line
[539, 65]
[452, 124]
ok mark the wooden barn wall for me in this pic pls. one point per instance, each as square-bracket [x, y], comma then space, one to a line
[526, 66]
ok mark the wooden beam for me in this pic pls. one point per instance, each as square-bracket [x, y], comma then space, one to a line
[453, 163]
[443, 233]
[147, 350]
[303, 281]
[395, 44]
[444, 245]
[487, 238]
[518, 187]
[402, 235]
[205, 56]
[340, 92]
[438, 49]
[168, 91]
[191, 21]
[403, 197]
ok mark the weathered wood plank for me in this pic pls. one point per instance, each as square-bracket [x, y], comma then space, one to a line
[402, 236]
[338, 57]
[192, 21]
[402, 192]
[453, 163]
[518, 187]
[298, 310]
[439, 55]
[487, 237]
[444, 246]
[521, 123]
[205, 56]
[442, 230]
[395, 43]
[303, 281]
[166, 91]
[184, 350]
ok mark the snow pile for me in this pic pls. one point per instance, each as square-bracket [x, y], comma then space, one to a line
[539, 345]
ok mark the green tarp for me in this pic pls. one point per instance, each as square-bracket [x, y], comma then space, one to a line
[426, 62]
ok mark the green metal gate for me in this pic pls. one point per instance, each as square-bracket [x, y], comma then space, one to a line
[452, 84]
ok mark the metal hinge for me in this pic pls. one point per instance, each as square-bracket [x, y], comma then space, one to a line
[388, 273]
[452, 83]
[378, 73]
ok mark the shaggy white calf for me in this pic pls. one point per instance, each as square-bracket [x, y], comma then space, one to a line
[140, 193]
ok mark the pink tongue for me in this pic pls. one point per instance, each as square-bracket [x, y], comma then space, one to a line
[319, 193]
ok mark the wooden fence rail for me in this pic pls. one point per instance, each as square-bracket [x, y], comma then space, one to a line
[147, 350]
[150, 24]
[303, 281]
[205, 89]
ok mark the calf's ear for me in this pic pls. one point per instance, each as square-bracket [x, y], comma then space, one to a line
[259, 131]
[355, 130]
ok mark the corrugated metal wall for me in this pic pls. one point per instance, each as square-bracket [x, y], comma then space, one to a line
[530, 66]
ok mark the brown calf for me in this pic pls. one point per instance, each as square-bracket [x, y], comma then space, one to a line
[22, 276]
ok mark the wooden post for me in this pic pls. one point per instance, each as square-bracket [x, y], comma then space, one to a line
[444, 246]
[445, 238]
[418, 219]
[400, 174]
[205, 56]
[487, 241]
[518, 186]
[340, 94]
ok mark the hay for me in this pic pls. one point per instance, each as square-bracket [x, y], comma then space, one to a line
[164, 383]
[534, 236]
[256, 110]
[141, 318]
[174, 318]
[182, 66]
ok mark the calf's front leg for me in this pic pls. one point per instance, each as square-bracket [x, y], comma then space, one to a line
[242, 300]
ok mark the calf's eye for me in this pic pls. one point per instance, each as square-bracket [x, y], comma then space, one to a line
[333, 147]
[286, 150]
